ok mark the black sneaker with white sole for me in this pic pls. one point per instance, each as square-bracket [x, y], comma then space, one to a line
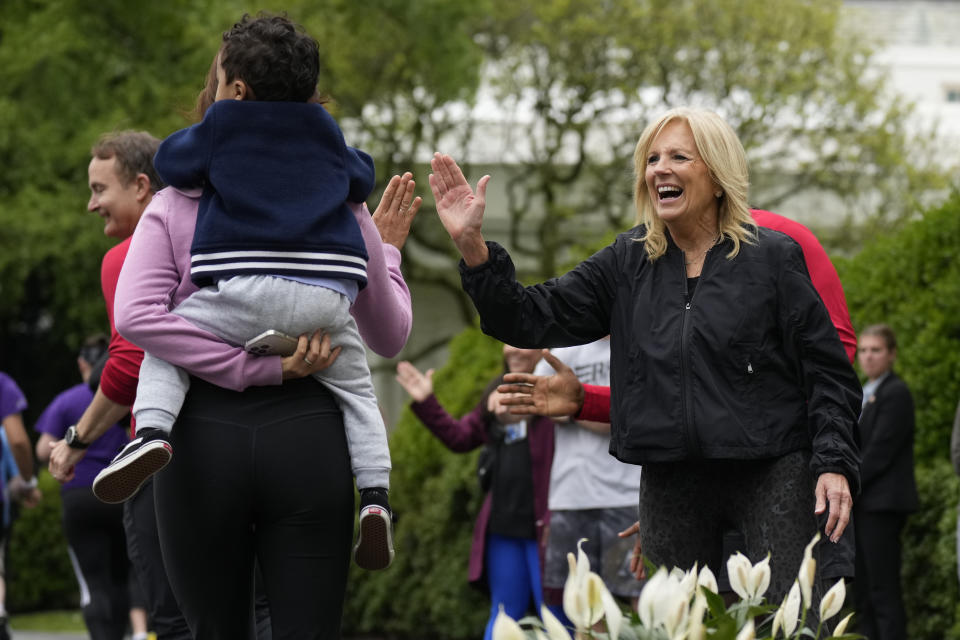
[143, 456]
[374, 548]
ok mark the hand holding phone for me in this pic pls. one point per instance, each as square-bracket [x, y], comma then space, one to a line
[272, 343]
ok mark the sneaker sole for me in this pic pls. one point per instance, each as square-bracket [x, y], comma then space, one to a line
[123, 478]
[374, 548]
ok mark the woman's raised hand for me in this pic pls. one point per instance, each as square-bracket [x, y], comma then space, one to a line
[418, 385]
[459, 207]
[396, 210]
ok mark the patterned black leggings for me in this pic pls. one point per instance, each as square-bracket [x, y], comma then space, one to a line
[686, 506]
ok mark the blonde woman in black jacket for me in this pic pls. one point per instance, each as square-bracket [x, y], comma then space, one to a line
[729, 382]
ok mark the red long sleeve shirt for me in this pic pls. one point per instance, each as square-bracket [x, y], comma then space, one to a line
[122, 370]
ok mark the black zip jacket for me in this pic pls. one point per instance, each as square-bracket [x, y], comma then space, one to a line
[750, 368]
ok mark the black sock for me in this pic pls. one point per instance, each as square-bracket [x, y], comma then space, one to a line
[374, 496]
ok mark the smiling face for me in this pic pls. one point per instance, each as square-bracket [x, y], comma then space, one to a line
[119, 205]
[874, 356]
[679, 183]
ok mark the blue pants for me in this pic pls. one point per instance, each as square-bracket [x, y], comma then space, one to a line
[513, 573]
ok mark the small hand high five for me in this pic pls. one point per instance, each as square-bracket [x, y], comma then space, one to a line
[459, 207]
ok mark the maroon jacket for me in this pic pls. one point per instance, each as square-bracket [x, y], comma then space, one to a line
[470, 432]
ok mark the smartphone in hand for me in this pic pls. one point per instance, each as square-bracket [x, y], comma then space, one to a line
[272, 343]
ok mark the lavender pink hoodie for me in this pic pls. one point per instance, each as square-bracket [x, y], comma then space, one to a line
[156, 278]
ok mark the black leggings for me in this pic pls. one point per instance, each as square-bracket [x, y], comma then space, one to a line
[260, 474]
[685, 507]
[98, 550]
[143, 547]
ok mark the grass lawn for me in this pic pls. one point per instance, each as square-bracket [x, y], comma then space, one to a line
[48, 621]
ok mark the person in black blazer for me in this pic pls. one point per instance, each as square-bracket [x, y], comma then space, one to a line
[888, 489]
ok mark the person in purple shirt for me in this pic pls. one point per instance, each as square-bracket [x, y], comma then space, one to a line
[94, 530]
[22, 487]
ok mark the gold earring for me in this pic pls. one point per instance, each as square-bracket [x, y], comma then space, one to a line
[717, 194]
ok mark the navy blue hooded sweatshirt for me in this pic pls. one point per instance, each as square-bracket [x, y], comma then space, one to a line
[276, 177]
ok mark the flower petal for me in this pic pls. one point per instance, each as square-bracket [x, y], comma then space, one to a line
[695, 627]
[648, 597]
[841, 627]
[555, 628]
[593, 589]
[505, 628]
[778, 620]
[832, 601]
[738, 571]
[748, 632]
[708, 580]
[583, 562]
[572, 603]
[760, 578]
[612, 613]
[808, 570]
[791, 609]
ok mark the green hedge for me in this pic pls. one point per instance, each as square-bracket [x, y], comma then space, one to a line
[911, 281]
[39, 574]
[930, 557]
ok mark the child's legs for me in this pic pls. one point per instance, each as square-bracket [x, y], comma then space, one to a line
[351, 384]
[513, 573]
[160, 393]
[163, 386]
[254, 304]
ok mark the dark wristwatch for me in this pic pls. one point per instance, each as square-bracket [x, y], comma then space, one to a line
[73, 439]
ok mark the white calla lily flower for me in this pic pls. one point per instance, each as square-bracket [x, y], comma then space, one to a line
[791, 609]
[841, 627]
[689, 581]
[585, 597]
[696, 630]
[506, 628]
[738, 571]
[749, 581]
[708, 580]
[648, 597]
[832, 601]
[808, 570]
[555, 628]
[760, 578]
[665, 601]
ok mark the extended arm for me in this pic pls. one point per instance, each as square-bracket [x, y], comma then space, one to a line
[383, 309]
[460, 436]
[100, 415]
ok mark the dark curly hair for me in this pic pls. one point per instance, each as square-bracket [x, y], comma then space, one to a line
[274, 56]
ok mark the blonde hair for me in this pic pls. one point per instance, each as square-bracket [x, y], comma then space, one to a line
[720, 149]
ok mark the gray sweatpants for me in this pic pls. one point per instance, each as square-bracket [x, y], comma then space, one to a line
[240, 308]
